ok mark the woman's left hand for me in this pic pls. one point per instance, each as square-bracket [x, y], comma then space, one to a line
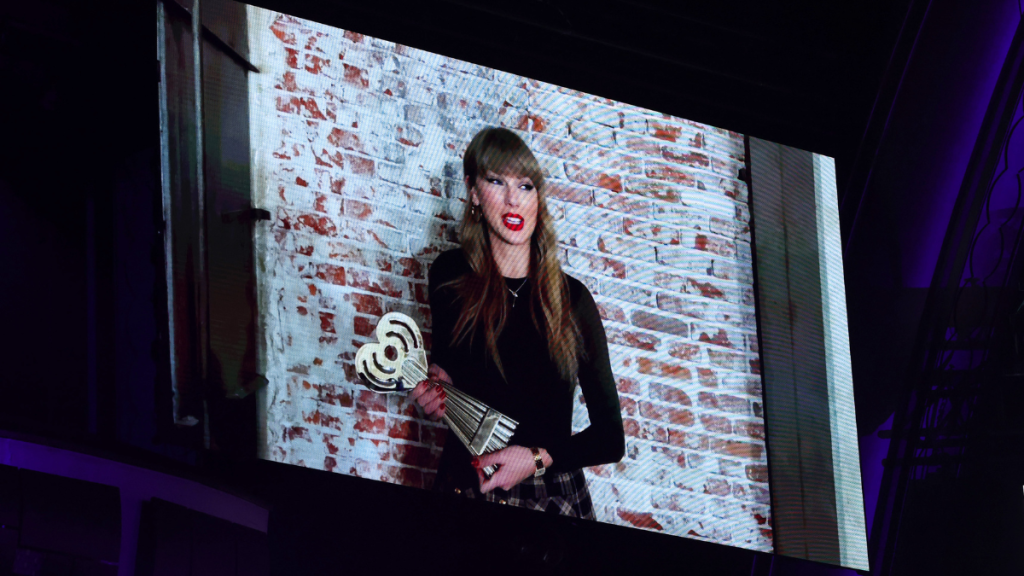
[515, 464]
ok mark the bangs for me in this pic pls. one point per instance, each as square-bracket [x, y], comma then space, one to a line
[503, 152]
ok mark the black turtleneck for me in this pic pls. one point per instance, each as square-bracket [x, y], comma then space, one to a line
[533, 392]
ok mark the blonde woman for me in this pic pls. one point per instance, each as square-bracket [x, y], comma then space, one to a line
[513, 330]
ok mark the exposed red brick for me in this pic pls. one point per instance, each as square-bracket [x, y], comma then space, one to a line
[296, 105]
[322, 225]
[337, 185]
[757, 472]
[335, 395]
[653, 189]
[318, 418]
[660, 323]
[631, 427]
[655, 368]
[684, 351]
[354, 36]
[371, 401]
[327, 322]
[369, 424]
[336, 159]
[410, 267]
[695, 159]
[754, 430]
[377, 283]
[531, 122]
[365, 303]
[719, 339]
[633, 339]
[405, 476]
[670, 173]
[358, 210]
[589, 177]
[356, 76]
[666, 414]
[627, 385]
[299, 369]
[627, 405]
[640, 519]
[664, 131]
[569, 192]
[737, 448]
[420, 291]
[413, 455]
[293, 432]
[405, 429]
[291, 57]
[718, 424]
[331, 273]
[717, 486]
[604, 265]
[707, 378]
[282, 28]
[409, 135]
[344, 139]
[320, 204]
[707, 289]
[360, 165]
[316, 64]
[715, 245]
[363, 326]
[669, 394]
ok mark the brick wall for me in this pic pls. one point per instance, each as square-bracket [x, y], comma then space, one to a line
[357, 154]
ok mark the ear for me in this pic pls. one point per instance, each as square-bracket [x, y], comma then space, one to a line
[472, 192]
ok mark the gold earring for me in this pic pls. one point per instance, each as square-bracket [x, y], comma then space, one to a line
[476, 212]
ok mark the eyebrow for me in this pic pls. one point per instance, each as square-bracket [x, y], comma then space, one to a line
[492, 173]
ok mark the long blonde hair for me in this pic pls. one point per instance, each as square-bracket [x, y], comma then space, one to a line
[483, 291]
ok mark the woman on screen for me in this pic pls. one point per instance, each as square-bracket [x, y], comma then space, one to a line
[514, 331]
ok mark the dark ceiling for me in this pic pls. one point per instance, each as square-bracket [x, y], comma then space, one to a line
[801, 72]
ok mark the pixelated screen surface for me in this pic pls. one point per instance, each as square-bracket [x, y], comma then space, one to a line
[356, 152]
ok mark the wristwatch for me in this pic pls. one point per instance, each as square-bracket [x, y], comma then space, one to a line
[539, 462]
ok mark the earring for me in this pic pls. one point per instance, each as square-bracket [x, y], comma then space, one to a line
[476, 212]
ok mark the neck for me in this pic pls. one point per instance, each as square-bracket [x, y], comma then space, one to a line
[513, 260]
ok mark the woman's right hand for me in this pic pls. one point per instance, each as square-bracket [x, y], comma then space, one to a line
[429, 394]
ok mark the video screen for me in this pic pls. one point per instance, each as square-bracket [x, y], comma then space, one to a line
[629, 391]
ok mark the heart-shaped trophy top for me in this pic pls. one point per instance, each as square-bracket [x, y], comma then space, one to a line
[397, 361]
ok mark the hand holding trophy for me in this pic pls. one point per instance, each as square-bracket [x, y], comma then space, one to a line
[397, 361]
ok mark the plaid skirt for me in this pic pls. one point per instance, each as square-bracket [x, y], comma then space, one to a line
[565, 493]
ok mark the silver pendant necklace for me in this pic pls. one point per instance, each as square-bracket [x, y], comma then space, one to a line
[515, 293]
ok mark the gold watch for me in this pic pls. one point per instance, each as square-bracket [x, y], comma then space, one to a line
[539, 462]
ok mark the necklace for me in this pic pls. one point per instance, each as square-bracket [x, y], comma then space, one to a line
[515, 293]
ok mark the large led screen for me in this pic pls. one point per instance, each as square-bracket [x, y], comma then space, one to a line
[357, 148]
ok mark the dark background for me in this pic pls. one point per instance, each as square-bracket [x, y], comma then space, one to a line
[894, 90]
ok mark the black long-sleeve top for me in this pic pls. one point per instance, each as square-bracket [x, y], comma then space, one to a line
[533, 391]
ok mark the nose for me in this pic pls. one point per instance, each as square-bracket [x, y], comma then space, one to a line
[512, 195]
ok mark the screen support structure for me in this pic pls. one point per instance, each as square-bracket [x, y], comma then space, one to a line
[208, 223]
[811, 435]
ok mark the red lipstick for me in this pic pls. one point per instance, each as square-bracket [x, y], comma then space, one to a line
[513, 222]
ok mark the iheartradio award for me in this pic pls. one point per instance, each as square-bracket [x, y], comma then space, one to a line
[397, 362]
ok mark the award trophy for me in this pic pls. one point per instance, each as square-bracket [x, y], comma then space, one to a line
[397, 362]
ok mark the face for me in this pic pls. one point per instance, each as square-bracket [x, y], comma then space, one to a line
[509, 205]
